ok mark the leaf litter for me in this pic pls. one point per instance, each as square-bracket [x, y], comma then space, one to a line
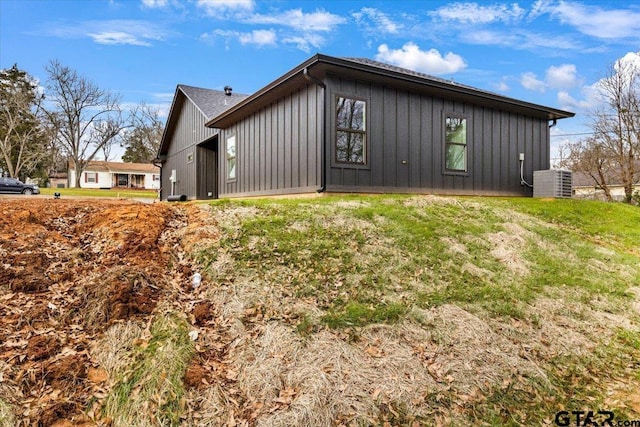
[80, 282]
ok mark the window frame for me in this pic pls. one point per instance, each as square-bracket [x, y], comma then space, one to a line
[228, 158]
[445, 144]
[365, 133]
[91, 175]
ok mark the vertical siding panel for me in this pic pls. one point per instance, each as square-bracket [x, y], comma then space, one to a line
[402, 139]
[389, 134]
[487, 137]
[288, 111]
[426, 141]
[514, 181]
[280, 146]
[495, 149]
[415, 131]
[318, 119]
[295, 140]
[376, 136]
[363, 90]
[503, 183]
[437, 135]
[250, 144]
[267, 149]
[303, 137]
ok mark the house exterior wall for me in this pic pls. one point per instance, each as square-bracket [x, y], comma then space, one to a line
[103, 179]
[152, 181]
[107, 179]
[181, 157]
[278, 147]
[594, 193]
[405, 151]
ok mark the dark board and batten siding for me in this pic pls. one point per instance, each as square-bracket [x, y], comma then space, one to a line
[189, 131]
[405, 144]
[278, 147]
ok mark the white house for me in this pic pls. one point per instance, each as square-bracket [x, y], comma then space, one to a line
[101, 174]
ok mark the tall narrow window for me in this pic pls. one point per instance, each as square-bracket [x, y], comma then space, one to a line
[231, 158]
[351, 132]
[455, 144]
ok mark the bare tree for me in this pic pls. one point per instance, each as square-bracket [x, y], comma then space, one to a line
[611, 155]
[142, 140]
[587, 157]
[23, 134]
[87, 118]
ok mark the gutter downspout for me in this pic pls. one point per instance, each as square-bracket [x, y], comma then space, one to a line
[323, 172]
[555, 122]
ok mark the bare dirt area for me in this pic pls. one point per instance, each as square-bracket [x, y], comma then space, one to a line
[70, 269]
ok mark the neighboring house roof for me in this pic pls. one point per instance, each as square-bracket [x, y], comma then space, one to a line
[209, 102]
[118, 167]
[319, 65]
[612, 177]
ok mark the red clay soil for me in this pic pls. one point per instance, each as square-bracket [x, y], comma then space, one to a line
[68, 270]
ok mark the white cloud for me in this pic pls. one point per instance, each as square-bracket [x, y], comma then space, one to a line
[556, 77]
[473, 13]
[596, 22]
[151, 4]
[219, 8]
[520, 39]
[305, 42]
[255, 37]
[530, 81]
[501, 86]
[631, 58]
[258, 37]
[410, 56]
[113, 32]
[117, 37]
[295, 18]
[540, 7]
[567, 102]
[561, 77]
[380, 21]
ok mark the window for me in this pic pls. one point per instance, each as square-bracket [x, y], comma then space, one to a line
[455, 144]
[123, 180]
[351, 132]
[231, 158]
[91, 177]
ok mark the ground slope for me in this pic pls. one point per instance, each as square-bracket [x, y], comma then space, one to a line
[336, 311]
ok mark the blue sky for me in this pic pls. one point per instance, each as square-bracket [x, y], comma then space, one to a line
[548, 52]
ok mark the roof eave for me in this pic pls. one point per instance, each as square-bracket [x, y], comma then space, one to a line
[463, 92]
[222, 120]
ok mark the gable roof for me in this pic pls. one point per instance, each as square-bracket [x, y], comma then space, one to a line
[118, 167]
[384, 74]
[209, 102]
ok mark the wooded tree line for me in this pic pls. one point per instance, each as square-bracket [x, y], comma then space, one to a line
[68, 119]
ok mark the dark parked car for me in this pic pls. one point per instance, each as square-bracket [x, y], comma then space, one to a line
[13, 185]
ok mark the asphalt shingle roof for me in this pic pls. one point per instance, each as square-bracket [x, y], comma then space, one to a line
[389, 67]
[211, 102]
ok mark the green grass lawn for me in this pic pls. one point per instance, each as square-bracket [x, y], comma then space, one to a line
[554, 282]
[91, 192]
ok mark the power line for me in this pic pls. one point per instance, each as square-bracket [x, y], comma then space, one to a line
[574, 134]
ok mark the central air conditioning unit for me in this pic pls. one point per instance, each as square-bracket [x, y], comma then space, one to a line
[552, 183]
